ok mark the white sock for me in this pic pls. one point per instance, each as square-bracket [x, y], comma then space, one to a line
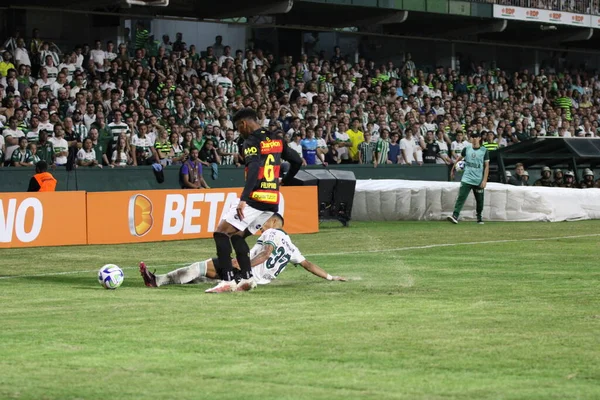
[183, 275]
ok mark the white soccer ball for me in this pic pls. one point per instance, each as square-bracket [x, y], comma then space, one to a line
[460, 166]
[110, 276]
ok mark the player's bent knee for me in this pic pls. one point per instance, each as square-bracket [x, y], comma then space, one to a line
[220, 235]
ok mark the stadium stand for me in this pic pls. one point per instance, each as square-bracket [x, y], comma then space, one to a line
[146, 101]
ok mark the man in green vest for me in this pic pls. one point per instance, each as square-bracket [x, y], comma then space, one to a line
[477, 168]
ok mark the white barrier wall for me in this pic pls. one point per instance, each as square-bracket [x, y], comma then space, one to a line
[390, 200]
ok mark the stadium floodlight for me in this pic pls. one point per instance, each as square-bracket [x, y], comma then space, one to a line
[153, 3]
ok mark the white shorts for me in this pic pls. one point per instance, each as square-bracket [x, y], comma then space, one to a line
[253, 219]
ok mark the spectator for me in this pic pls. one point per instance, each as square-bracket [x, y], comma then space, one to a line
[443, 142]
[394, 155]
[309, 147]
[11, 137]
[408, 148]
[21, 154]
[120, 156]
[332, 157]
[33, 132]
[218, 48]
[366, 151]
[33, 157]
[45, 150]
[177, 156]
[458, 145]
[525, 178]
[356, 137]
[21, 54]
[145, 153]
[517, 178]
[210, 157]
[86, 156]
[6, 64]
[430, 148]
[296, 145]
[382, 149]
[60, 146]
[163, 148]
[191, 172]
[228, 149]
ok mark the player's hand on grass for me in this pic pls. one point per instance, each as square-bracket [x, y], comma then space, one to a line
[338, 278]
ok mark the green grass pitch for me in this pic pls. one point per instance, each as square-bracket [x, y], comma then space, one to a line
[421, 317]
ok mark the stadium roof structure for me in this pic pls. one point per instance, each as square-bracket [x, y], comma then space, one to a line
[335, 15]
[550, 151]
[195, 9]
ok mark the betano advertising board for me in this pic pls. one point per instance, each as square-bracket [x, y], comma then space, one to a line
[75, 218]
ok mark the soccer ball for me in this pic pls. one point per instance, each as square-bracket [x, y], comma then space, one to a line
[110, 276]
[460, 166]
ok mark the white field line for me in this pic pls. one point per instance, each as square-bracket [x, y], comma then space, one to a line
[429, 246]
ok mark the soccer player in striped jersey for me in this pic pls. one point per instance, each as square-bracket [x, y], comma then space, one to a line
[273, 251]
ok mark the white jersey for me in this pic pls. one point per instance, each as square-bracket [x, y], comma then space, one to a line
[284, 252]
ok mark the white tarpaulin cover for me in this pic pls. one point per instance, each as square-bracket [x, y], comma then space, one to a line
[389, 200]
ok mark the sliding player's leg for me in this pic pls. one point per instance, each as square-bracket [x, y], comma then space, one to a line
[180, 276]
[242, 250]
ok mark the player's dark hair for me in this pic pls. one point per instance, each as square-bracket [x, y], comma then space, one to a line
[245, 113]
[279, 217]
[41, 166]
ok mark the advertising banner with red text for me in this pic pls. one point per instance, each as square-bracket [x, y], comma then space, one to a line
[544, 16]
[42, 219]
[157, 215]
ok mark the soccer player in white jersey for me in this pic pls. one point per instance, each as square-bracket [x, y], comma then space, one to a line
[273, 251]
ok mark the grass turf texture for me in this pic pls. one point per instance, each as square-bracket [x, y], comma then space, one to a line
[505, 320]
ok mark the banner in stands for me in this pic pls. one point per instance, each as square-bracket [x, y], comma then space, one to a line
[149, 216]
[544, 16]
[42, 219]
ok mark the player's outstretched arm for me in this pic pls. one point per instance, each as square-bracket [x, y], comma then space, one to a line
[320, 272]
[258, 259]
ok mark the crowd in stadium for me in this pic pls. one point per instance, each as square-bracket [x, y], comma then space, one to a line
[143, 102]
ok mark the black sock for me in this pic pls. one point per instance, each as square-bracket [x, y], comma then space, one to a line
[223, 244]
[242, 253]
